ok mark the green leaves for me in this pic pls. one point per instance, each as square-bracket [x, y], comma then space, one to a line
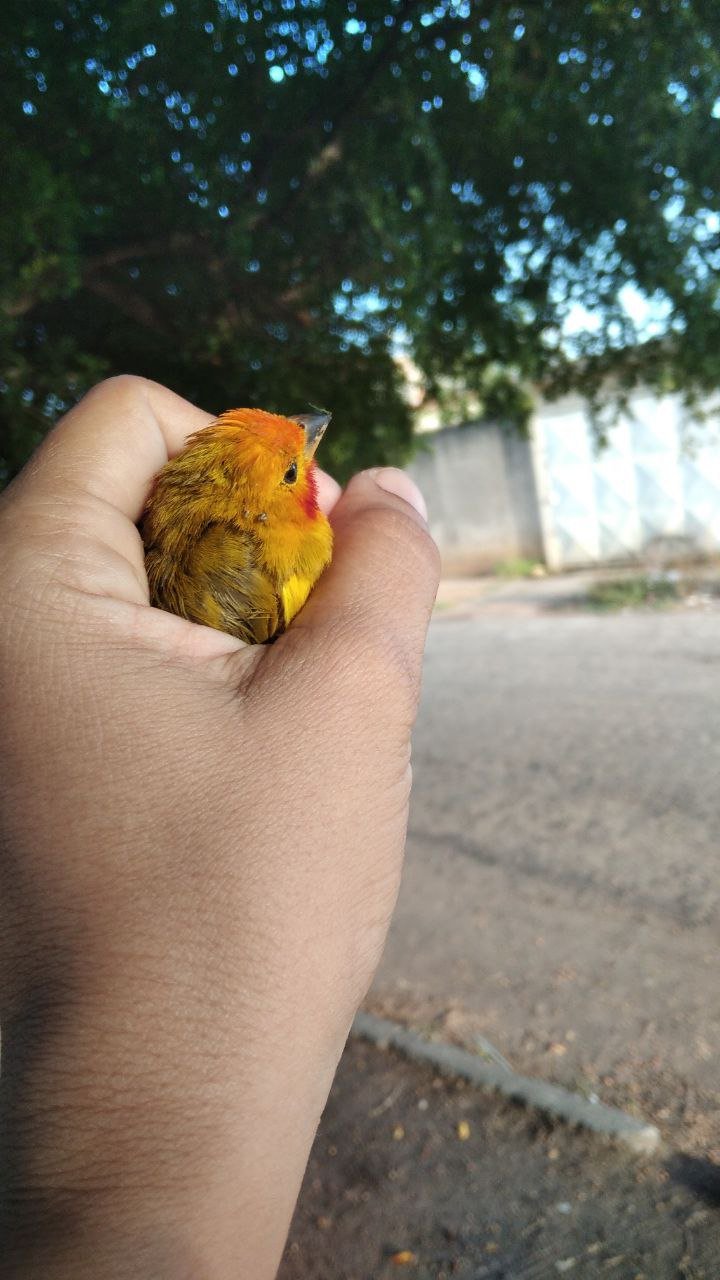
[254, 202]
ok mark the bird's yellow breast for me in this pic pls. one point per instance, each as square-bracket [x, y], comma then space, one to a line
[293, 593]
[296, 562]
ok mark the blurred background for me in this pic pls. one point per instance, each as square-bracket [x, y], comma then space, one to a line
[487, 237]
[408, 212]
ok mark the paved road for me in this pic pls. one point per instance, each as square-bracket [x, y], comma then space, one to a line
[562, 892]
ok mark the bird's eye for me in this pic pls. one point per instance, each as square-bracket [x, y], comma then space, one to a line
[291, 474]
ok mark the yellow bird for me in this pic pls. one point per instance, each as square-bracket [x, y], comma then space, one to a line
[234, 537]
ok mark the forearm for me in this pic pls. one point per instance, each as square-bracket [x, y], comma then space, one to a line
[112, 1165]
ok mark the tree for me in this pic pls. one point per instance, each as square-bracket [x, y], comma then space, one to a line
[259, 201]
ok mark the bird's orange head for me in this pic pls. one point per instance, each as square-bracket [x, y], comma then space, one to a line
[267, 459]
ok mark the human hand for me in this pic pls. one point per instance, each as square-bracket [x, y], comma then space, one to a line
[201, 852]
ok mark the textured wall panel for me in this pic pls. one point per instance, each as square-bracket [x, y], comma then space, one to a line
[653, 486]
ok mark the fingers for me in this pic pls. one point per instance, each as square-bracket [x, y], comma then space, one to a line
[328, 491]
[379, 590]
[113, 443]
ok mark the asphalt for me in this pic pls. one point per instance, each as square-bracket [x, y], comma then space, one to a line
[562, 888]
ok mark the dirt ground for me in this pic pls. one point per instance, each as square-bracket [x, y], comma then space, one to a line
[414, 1175]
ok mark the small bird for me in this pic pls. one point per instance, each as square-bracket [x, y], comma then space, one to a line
[234, 537]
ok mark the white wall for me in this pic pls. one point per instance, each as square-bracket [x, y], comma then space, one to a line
[654, 490]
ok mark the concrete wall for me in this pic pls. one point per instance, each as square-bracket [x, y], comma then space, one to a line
[652, 493]
[479, 485]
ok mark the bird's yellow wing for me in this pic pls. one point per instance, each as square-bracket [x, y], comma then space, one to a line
[220, 584]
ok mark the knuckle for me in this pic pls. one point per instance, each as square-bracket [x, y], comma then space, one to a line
[124, 386]
[411, 541]
[427, 548]
[362, 669]
[390, 669]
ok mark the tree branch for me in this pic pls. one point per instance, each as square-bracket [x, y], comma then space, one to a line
[331, 151]
[92, 265]
[131, 304]
[144, 249]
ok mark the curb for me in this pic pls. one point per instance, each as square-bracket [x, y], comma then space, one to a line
[637, 1135]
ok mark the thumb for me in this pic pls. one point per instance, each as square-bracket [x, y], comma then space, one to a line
[379, 590]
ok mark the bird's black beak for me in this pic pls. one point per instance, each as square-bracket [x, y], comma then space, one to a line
[314, 426]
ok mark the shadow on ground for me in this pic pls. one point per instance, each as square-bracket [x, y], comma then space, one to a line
[700, 1176]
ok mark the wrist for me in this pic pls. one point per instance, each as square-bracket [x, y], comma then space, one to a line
[114, 1164]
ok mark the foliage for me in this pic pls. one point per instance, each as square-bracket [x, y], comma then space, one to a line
[632, 593]
[255, 201]
[520, 567]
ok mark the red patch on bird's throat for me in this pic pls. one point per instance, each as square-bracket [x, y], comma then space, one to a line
[309, 498]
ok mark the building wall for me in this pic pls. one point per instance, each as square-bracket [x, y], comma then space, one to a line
[652, 493]
[482, 504]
